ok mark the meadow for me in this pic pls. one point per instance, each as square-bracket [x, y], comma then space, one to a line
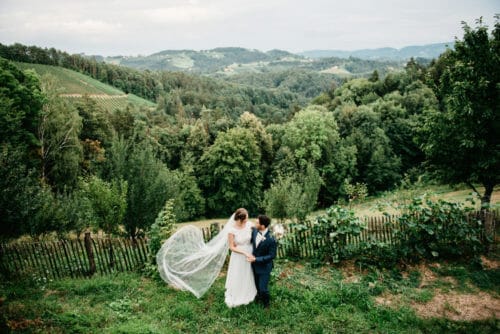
[430, 298]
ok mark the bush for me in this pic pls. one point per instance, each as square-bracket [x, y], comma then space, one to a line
[293, 196]
[333, 231]
[441, 229]
[161, 229]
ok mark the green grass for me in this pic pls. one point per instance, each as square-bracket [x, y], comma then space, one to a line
[306, 299]
[72, 82]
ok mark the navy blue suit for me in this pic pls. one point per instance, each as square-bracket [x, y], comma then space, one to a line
[264, 255]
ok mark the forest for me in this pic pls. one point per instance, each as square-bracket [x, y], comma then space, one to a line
[284, 142]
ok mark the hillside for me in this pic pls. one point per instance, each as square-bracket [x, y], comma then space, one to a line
[205, 61]
[74, 86]
[228, 62]
[428, 51]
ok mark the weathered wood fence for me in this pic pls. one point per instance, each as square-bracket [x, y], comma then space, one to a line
[89, 256]
[72, 257]
[301, 244]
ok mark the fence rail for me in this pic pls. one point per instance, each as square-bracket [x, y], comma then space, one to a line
[88, 256]
[72, 257]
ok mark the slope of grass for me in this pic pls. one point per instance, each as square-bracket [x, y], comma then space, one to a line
[73, 85]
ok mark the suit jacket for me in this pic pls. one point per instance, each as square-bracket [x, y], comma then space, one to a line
[264, 253]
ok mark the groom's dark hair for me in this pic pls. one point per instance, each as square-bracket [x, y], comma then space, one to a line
[264, 220]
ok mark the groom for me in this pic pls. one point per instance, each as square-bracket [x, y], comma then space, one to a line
[264, 251]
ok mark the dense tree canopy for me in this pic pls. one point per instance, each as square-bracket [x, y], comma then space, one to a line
[211, 146]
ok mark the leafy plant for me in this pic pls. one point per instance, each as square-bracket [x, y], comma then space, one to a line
[161, 230]
[439, 229]
[333, 230]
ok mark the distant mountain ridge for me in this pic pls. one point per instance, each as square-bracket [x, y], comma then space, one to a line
[204, 61]
[428, 51]
[237, 60]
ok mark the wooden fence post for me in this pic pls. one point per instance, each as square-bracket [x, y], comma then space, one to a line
[90, 253]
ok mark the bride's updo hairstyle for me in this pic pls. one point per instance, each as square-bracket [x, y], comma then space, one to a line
[240, 214]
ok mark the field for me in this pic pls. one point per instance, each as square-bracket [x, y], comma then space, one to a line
[429, 298]
[74, 85]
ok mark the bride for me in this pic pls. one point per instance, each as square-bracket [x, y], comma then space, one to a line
[186, 262]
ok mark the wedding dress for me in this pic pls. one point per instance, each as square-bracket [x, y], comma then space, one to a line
[186, 262]
[240, 283]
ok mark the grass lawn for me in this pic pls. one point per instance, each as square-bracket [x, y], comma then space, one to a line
[432, 298]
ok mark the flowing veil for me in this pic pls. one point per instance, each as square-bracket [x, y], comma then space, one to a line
[186, 262]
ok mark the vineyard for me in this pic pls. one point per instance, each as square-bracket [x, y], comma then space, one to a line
[74, 85]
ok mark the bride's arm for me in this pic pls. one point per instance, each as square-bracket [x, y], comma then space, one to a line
[232, 245]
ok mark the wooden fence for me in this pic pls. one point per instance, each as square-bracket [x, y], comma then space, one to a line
[89, 256]
[73, 257]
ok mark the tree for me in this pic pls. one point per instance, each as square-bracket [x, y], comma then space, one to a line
[149, 186]
[58, 130]
[461, 142]
[108, 202]
[293, 196]
[230, 172]
[21, 102]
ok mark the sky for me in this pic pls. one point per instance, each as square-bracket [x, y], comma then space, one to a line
[143, 27]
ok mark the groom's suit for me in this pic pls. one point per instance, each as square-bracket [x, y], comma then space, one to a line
[264, 254]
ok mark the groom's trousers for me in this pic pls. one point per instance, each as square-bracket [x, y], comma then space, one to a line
[262, 282]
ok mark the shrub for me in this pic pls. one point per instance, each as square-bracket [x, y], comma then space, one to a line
[161, 229]
[438, 230]
[333, 231]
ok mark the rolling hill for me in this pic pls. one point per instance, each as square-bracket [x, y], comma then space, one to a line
[228, 62]
[428, 51]
[74, 86]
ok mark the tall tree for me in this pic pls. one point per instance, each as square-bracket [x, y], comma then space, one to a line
[21, 102]
[232, 176]
[58, 130]
[462, 140]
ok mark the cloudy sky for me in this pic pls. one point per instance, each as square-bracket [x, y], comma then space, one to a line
[132, 27]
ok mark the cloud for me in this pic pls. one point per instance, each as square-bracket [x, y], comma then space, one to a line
[146, 26]
[183, 14]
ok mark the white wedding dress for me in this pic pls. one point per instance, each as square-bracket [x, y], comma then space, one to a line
[240, 283]
[186, 262]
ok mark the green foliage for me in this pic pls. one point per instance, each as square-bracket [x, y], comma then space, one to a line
[461, 141]
[355, 192]
[161, 229]
[58, 131]
[108, 202]
[311, 135]
[441, 229]
[188, 198]
[20, 192]
[293, 196]
[333, 230]
[231, 175]
[149, 185]
[20, 105]
[376, 164]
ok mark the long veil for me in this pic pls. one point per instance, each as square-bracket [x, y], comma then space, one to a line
[186, 262]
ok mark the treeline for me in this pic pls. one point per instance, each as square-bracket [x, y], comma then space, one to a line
[67, 167]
